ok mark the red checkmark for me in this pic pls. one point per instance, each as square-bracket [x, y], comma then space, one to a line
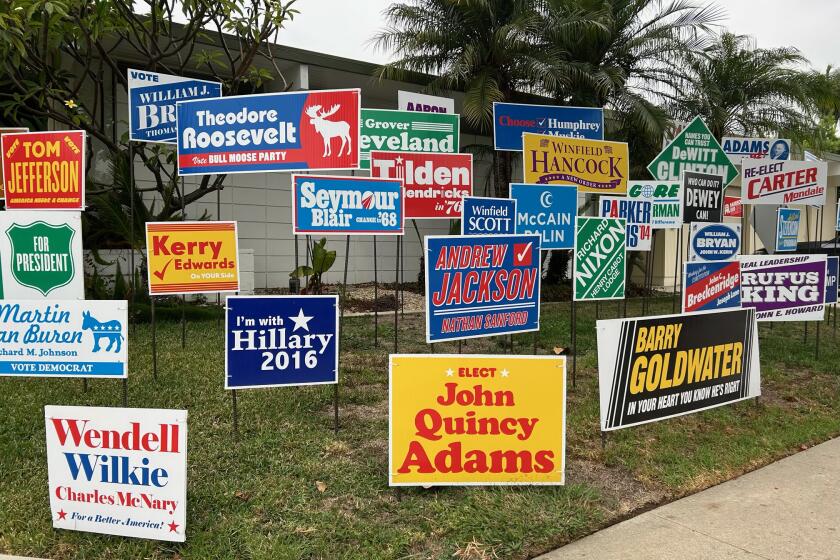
[522, 254]
[162, 272]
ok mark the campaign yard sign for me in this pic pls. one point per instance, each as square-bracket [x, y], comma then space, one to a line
[593, 166]
[386, 130]
[784, 182]
[192, 257]
[434, 183]
[666, 212]
[510, 120]
[787, 229]
[831, 284]
[488, 216]
[481, 286]
[275, 341]
[713, 242]
[702, 197]
[740, 149]
[694, 149]
[12, 130]
[422, 103]
[457, 419]
[711, 285]
[600, 257]
[637, 213]
[732, 207]
[784, 288]
[44, 170]
[347, 205]
[118, 471]
[653, 368]
[151, 103]
[548, 211]
[64, 338]
[41, 255]
[269, 132]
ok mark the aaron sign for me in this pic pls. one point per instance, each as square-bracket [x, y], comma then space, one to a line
[600, 256]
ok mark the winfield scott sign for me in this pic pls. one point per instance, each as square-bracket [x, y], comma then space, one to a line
[591, 165]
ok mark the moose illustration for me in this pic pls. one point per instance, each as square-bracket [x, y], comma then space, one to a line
[112, 330]
[329, 129]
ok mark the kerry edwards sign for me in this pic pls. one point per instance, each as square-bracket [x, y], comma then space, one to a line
[637, 213]
[488, 216]
[57, 338]
[592, 165]
[471, 420]
[714, 242]
[192, 257]
[711, 285]
[118, 471]
[481, 285]
[510, 120]
[695, 149]
[408, 131]
[347, 205]
[652, 368]
[600, 257]
[666, 212]
[784, 288]
[702, 197]
[274, 341]
[784, 182]
[548, 211]
[434, 183]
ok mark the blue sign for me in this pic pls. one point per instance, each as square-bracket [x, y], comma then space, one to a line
[151, 103]
[713, 242]
[488, 216]
[831, 270]
[510, 120]
[481, 286]
[548, 211]
[787, 229]
[274, 341]
[347, 205]
[711, 285]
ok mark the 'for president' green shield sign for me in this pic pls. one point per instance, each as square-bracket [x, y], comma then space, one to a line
[600, 249]
[694, 149]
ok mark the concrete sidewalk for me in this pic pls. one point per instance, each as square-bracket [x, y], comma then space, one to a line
[787, 510]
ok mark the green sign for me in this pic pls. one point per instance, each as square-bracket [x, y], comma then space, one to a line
[41, 256]
[600, 258]
[694, 149]
[407, 131]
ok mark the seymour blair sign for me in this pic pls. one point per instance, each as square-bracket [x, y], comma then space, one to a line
[464, 420]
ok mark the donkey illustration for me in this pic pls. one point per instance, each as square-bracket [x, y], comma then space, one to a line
[112, 330]
[329, 129]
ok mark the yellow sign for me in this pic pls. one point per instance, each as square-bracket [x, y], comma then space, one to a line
[465, 420]
[192, 257]
[595, 166]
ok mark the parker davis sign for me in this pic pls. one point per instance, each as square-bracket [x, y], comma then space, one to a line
[784, 288]
[784, 182]
[385, 130]
[481, 285]
[637, 213]
[653, 368]
[151, 103]
[600, 257]
[740, 149]
[510, 120]
[711, 285]
[118, 471]
[666, 212]
[695, 149]
[714, 242]
[702, 197]
[548, 211]
[275, 341]
[488, 216]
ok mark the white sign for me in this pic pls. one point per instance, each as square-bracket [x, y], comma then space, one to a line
[410, 101]
[740, 149]
[118, 471]
[715, 242]
[765, 181]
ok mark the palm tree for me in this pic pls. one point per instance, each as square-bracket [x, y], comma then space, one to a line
[825, 87]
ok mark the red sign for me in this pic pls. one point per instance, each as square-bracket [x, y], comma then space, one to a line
[7, 131]
[732, 207]
[435, 184]
[44, 170]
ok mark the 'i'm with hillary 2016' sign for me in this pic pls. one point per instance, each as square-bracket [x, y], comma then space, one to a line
[510, 120]
[151, 103]
[636, 212]
[386, 130]
[695, 149]
[784, 288]
[488, 216]
[118, 471]
[591, 165]
[274, 341]
[652, 368]
[666, 212]
[347, 205]
[270, 132]
[481, 286]
[600, 256]
[548, 211]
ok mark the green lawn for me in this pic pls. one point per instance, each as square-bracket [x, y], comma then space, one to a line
[258, 496]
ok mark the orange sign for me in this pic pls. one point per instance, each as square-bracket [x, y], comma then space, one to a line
[192, 257]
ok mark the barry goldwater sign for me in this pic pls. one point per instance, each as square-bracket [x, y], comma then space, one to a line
[548, 211]
[714, 242]
[64, 338]
[702, 197]
[347, 205]
[652, 368]
[600, 257]
[784, 182]
[41, 255]
[488, 216]
[270, 132]
[740, 149]
[711, 285]
[151, 103]
[666, 212]
[787, 229]
[385, 130]
[694, 149]
[510, 120]
[637, 213]
[784, 288]
[481, 285]
[274, 341]
[118, 471]
[458, 419]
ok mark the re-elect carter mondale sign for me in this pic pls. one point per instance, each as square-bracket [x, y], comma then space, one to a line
[784, 182]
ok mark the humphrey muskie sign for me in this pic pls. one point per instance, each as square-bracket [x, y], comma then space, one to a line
[510, 120]
[652, 368]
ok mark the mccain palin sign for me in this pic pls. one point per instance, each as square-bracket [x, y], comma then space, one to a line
[510, 120]
[488, 216]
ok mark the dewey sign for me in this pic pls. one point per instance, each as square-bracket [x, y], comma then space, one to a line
[386, 130]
